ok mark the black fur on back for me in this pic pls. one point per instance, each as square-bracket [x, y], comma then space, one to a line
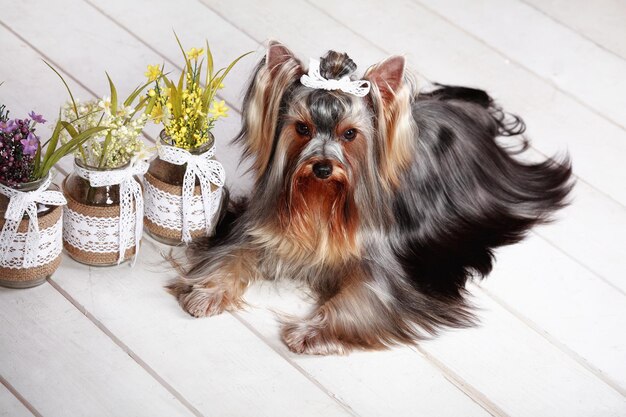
[465, 194]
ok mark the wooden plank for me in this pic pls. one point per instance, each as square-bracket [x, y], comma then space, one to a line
[304, 30]
[552, 51]
[508, 363]
[592, 231]
[63, 365]
[601, 21]
[396, 382]
[520, 372]
[11, 406]
[217, 364]
[566, 304]
[193, 23]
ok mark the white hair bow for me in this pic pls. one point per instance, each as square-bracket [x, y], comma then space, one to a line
[314, 79]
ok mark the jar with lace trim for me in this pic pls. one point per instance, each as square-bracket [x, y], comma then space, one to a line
[183, 192]
[102, 220]
[30, 237]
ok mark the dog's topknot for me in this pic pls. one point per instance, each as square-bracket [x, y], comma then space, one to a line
[335, 65]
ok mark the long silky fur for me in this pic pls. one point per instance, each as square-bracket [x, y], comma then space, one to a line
[432, 192]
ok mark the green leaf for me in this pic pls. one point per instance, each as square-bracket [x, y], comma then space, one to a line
[84, 115]
[37, 157]
[105, 146]
[52, 143]
[67, 148]
[150, 105]
[187, 62]
[69, 127]
[138, 91]
[141, 104]
[67, 87]
[73, 133]
[180, 81]
[197, 71]
[173, 98]
[222, 73]
[209, 63]
[113, 96]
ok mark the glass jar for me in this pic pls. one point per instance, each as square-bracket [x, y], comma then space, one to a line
[163, 197]
[49, 218]
[92, 216]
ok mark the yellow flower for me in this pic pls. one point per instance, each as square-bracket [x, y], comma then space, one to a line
[153, 72]
[218, 109]
[194, 53]
[157, 113]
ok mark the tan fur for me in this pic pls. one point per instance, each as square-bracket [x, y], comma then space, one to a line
[356, 317]
[262, 113]
[398, 129]
[220, 290]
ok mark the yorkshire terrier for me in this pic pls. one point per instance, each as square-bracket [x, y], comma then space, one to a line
[382, 199]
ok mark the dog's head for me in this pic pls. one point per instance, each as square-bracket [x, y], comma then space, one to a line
[323, 155]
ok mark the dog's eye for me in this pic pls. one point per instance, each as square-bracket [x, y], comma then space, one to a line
[302, 129]
[349, 135]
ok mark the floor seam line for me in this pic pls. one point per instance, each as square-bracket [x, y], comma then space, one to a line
[18, 396]
[126, 349]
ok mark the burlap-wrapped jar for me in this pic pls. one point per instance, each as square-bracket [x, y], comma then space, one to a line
[183, 192]
[102, 220]
[30, 248]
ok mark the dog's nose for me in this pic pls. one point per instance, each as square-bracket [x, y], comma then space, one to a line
[322, 170]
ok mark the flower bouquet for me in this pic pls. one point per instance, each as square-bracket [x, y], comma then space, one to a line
[103, 218]
[30, 205]
[184, 183]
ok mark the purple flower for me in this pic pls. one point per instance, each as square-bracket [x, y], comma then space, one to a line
[37, 117]
[9, 126]
[30, 144]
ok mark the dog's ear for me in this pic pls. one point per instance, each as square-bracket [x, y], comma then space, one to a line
[387, 76]
[391, 95]
[273, 76]
[277, 55]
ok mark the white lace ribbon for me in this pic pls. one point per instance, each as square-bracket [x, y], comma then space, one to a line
[208, 171]
[314, 79]
[130, 190]
[25, 202]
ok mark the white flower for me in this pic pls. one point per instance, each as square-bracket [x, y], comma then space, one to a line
[105, 104]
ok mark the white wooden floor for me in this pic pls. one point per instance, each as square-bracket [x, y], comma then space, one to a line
[111, 342]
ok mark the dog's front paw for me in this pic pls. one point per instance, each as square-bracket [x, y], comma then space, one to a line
[311, 339]
[204, 302]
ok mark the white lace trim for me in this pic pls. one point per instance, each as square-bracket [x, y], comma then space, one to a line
[25, 203]
[94, 234]
[208, 171]
[129, 227]
[49, 248]
[165, 209]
